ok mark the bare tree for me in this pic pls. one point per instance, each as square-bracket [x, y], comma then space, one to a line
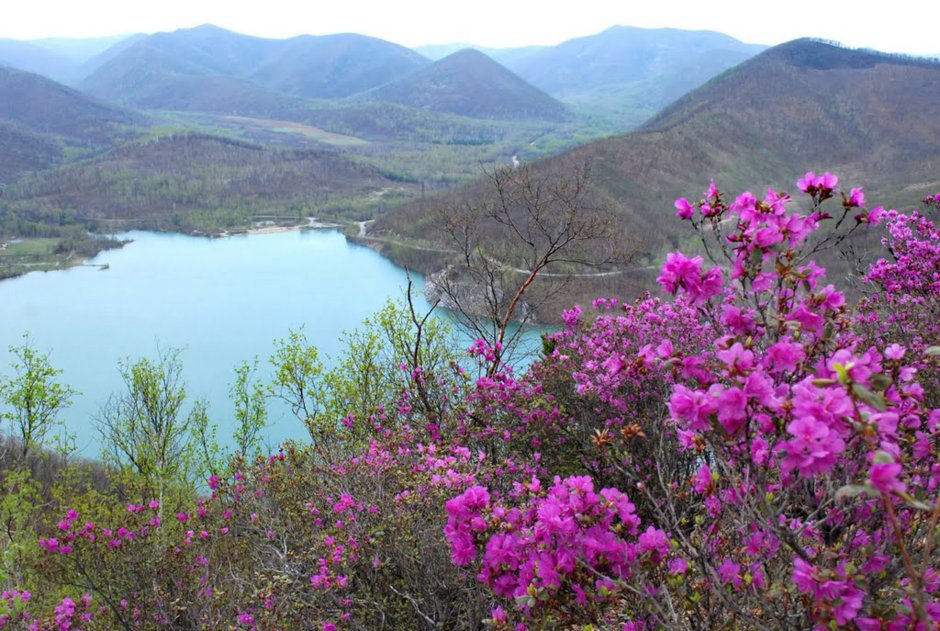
[525, 227]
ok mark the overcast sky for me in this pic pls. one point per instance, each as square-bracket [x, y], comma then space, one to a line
[909, 26]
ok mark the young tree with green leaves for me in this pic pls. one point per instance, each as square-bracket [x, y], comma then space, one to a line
[145, 427]
[251, 413]
[33, 398]
[298, 379]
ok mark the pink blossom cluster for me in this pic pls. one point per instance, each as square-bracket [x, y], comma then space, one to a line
[914, 249]
[780, 447]
[13, 603]
[561, 547]
[72, 531]
[681, 272]
[67, 614]
[783, 405]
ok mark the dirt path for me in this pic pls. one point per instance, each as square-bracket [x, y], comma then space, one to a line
[362, 227]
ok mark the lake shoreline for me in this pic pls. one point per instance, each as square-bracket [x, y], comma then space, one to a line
[224, 301]
[55, 263]
[262, 228]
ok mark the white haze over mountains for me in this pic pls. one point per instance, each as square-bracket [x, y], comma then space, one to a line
[905, 26]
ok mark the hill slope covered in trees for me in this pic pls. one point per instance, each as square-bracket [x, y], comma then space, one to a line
[41, 119]
[471, 84]
[871, 117]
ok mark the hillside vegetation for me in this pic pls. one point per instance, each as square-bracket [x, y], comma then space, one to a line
[873, 118]
[469, 83]
[605, 487]
[25, 151]
[60, 113]
[192, 181]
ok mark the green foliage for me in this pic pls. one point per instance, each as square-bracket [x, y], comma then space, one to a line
[378, 362]
[251, 413]
[20, 498]
[298, 379]
[33, 398]
[144, 428]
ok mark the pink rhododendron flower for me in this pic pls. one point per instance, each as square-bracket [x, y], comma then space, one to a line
[813, 448]
[684, 210]
[884, 477]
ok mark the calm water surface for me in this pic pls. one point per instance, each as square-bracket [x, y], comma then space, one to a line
[221, 300]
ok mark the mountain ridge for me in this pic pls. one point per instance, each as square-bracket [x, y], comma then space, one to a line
[469, 83]
[43, 117]
[624, 72]
[328, 66]
[873, 119]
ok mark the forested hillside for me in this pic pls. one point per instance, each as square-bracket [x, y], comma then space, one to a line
[471, 84]
[874, 118]
[190, 181]
[57, 118]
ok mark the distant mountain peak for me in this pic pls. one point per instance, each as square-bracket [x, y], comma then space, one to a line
[208, 27]
[154, 71]
[819, 54]
[468, 53]
[470, 83]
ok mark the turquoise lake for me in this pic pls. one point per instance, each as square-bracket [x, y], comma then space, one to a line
[221, 300]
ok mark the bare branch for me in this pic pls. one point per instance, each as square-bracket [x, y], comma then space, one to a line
[526, 228]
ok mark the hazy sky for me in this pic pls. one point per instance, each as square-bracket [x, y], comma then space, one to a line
[898, 26]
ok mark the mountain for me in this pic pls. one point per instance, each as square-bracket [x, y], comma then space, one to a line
[625, 73]
[332, 81]
[504, 56]
[65, 60]
[812, 104]
[315, 67]
[624, 55]
[153, 65]
[469, 83]
[40, 119]
[94, 62]
[81, 50]
[334, 66]
[871, 118]
[48, 107]
[25, 55]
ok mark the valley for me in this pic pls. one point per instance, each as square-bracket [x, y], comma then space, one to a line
[620, 331]
[206, 131]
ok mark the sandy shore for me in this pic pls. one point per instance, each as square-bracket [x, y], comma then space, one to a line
[272, 229]
[312, 224]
